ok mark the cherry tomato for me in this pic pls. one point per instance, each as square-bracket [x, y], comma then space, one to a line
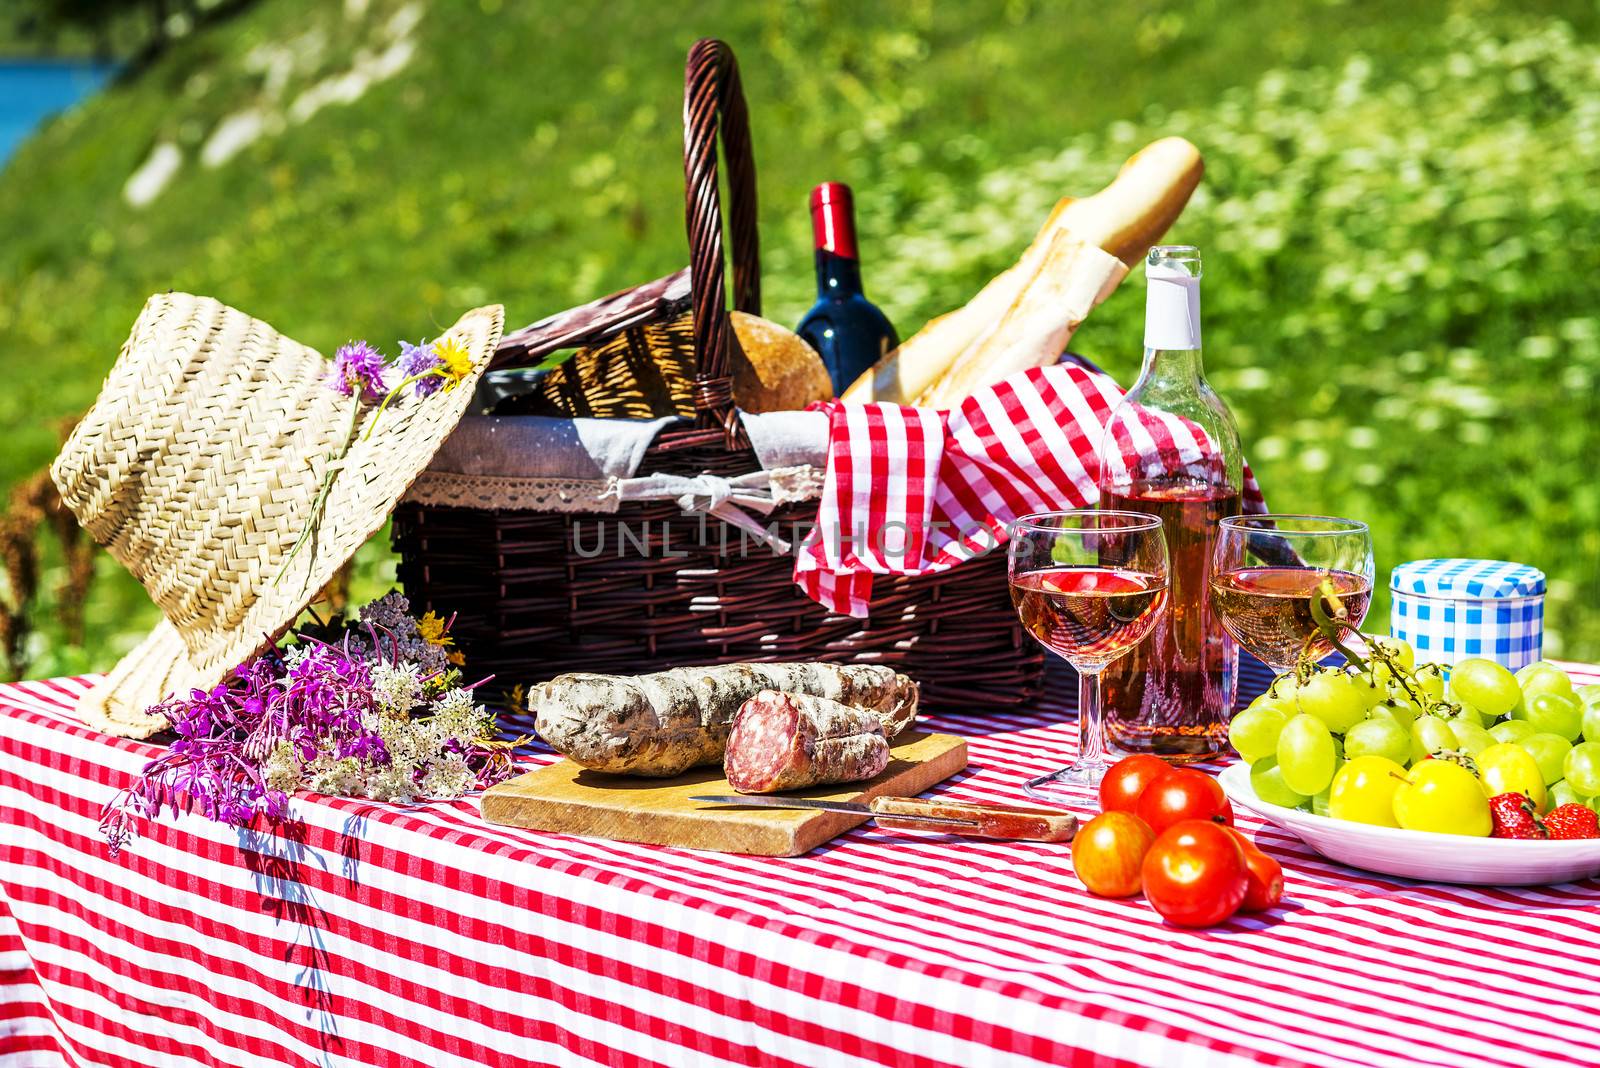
[1265, 874]
[1195, 874]
[1126, 779]
[1182, 794]
[1107, 853]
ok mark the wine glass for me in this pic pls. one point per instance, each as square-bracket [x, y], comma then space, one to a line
[1088, 585]
[1265, 570]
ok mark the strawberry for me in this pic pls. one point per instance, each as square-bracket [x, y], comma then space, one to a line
[1514, 817]
[1573, 820]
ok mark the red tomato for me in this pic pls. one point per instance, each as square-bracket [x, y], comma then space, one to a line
[1126, 780]
[1264, 873]
[1107, 853]
[1195, 874]
[1182, 794]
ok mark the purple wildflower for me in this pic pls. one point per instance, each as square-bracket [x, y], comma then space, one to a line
[419, 360]
[287, 717]
[358, 366]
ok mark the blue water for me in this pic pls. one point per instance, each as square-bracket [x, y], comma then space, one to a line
[33, 90]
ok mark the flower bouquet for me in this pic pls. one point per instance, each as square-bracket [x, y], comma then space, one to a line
[373, 707]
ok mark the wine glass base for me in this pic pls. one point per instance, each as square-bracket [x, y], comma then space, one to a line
[1070, 785]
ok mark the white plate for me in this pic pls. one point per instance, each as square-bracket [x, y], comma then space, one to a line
[1439, 858]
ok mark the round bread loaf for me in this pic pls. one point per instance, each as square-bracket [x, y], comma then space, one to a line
[777, 371]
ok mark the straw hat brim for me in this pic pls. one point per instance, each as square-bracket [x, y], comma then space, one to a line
[225, 485]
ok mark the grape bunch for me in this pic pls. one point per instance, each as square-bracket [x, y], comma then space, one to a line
[1389, 742]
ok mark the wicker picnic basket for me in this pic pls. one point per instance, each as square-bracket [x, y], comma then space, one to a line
[531, 606]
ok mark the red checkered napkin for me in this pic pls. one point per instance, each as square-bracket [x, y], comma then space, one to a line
[912, 491]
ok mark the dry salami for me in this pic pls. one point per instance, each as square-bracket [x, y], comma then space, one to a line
[667, 722]
[784, 741]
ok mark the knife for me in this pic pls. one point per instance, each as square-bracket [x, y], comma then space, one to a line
[974, 818]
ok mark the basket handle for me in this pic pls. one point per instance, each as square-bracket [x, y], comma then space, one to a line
[713, 101]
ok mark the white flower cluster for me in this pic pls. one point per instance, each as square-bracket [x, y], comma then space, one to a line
[427, 743]
[396, 688]
[428, 728]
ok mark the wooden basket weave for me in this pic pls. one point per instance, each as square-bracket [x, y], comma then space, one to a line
[531, 606]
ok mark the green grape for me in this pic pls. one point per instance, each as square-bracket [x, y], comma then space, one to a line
[1469, 712]
[1429, 735]
[1403, 714]
[1266, 779]
[1378, 737]
[1470, 736]
[1562, 793]
[1485, 684]
[1306, 754]
[1319, 801]
[1589, 695]
[1266, 700]
[1549, 751]
[1399, 696]
[1402, 653]
[1332, 697]
[1368, 690]
[1512, 730]
[1541, 676]
[1429, 679]
[1591, 723]
[1582, 768]
[1283, 688]
[1550, 713]
[1254, 732]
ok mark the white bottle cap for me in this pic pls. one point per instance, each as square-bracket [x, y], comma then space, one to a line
[1172, 299]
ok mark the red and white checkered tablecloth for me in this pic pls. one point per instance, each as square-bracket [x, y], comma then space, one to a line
[382, 935]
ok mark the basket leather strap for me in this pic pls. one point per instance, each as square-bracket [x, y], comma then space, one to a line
[713, 101]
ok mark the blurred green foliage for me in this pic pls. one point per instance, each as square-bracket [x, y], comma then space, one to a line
[1398, 216]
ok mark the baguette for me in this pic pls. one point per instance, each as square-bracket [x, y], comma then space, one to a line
[1124, 219]
[1072, 279]
[1141, 203]
[912, 368]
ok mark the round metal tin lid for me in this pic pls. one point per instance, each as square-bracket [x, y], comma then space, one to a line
[1455, 577]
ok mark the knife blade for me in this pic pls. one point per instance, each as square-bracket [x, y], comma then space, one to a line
[974, 818]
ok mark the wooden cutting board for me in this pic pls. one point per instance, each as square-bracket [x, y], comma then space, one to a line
[567, 799]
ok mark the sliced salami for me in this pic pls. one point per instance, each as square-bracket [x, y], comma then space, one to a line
[785, 741]
[668, 722]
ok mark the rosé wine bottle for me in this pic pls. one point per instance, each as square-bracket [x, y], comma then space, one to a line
[1171, 449]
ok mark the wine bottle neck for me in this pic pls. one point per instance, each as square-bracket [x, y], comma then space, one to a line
[837, 276]
[1170, 368]
[1172, 310]
[833, 219]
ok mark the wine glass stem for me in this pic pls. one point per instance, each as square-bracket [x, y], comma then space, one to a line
[1091, 721]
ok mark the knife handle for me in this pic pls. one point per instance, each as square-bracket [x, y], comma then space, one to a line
[988, 821]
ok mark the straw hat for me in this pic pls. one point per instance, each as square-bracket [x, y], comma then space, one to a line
[198, 468]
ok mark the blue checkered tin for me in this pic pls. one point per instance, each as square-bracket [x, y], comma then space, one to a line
[1452, 609]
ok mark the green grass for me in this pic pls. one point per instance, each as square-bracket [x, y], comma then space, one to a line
[529, 153]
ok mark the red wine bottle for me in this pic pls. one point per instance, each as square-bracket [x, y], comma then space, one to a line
[845, 328]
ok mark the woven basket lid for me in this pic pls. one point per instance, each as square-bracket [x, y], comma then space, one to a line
[199, 466]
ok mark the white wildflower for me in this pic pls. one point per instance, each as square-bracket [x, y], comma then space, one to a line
[397, 688]
[392, 784]
[281, 770]
[448, 777]
[458, 716]
[326, 775]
